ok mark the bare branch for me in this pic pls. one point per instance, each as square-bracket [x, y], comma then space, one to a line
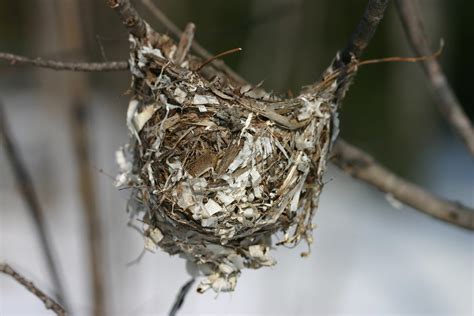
[197, 48]
[365, 30]
[15, 60]
[129, 17]
[448, 103]
[362, 166]
[180, 297]
[28, 193]
[49, 303]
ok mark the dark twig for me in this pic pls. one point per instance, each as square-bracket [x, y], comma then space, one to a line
[49, 303]
[180, 297]
[28, 193]
[362, 166]
[197, 48]
[61, 65]
[129, 17]
[448, 103]
[365, 30]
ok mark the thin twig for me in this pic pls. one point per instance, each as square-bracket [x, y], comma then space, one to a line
[129, 17]
[180, 297]
[28, 193]
[397, 59]
[15, 60]
[49, 302]
[210, 60]
[448, 103]
[197, 48]
[362, 166]
[365, 30]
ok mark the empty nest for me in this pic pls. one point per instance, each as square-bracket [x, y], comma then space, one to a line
[220, 173]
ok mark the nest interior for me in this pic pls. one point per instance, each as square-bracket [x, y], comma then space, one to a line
[216, 170]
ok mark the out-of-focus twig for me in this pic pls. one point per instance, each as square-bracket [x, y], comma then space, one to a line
[17, 60]
[49, 302]
[28, 193]
[77, 98]
[80, 136]
[180, 297]
[447, 101]
[362, 166]
[197, 48]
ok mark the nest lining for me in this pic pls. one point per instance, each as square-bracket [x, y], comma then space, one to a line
[217, 170]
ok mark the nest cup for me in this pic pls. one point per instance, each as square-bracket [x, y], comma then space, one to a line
[220, 173]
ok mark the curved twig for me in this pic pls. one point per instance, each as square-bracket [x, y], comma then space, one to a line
[362, 166]
[447, 101]
[15, 60]
[49, 303]
[28, 193]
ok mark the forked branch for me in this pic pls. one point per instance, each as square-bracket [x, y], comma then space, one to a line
[362, 166]
[49, 303]
[448, 103]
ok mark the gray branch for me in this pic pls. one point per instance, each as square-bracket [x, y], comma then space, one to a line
[448, 103]
[362, 166]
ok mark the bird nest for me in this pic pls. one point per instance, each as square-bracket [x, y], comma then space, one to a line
[221, 173]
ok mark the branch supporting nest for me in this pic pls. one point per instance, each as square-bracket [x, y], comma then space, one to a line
[49, 302]
[448, 103]
[129, 17]
[362, 166]
[365, 30]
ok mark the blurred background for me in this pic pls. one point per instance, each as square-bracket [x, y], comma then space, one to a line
[368, 257]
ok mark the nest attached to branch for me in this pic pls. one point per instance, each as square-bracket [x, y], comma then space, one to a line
[221, 173]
